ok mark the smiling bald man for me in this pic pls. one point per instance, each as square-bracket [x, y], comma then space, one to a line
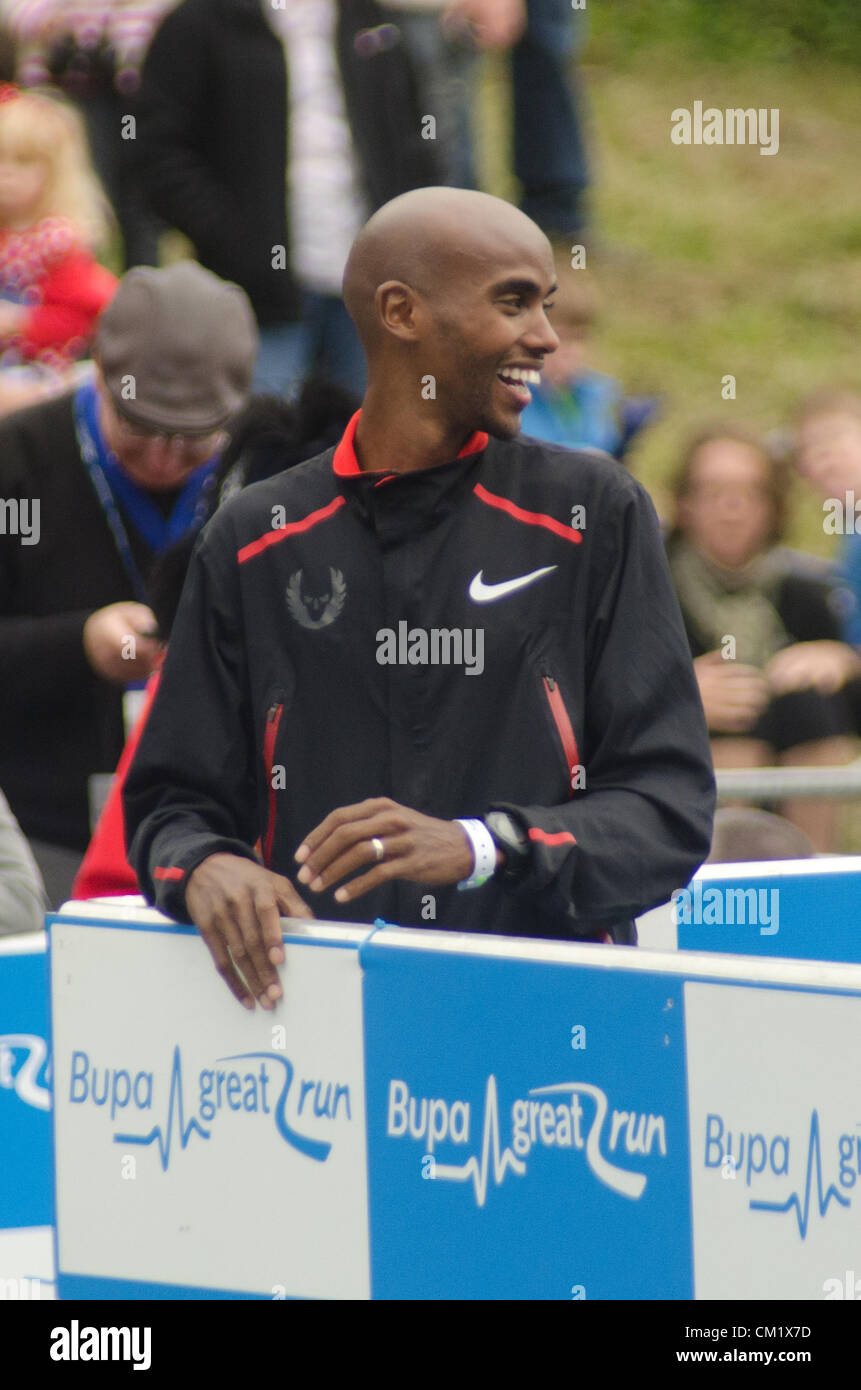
[325, 733]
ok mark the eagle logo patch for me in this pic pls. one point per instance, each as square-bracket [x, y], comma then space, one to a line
[316, 612]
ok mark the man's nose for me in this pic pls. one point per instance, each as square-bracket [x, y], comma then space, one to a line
[541, 336]
[164, 456]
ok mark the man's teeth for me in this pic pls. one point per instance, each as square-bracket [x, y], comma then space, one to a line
[528, 376]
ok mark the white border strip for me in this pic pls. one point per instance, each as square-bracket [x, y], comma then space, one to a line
[688, 964]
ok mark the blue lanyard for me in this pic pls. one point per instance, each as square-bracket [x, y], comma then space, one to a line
[113, 486]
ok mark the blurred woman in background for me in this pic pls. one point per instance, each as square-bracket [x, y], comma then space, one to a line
[761, 622]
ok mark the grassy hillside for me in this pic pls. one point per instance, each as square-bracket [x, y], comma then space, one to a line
[716, 260]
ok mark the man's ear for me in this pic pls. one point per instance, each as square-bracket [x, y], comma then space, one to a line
[399, 310]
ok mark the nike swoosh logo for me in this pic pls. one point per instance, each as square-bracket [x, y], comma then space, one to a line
[480, 592]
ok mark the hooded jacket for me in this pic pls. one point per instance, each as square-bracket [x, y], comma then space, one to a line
[449, 639]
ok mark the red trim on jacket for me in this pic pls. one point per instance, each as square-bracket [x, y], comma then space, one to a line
[563, 728]
[559, 837]
[530, 518]
[160, 873]
[105, 869]
[346, 464]
[293, 528]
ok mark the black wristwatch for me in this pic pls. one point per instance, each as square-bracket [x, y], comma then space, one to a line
[509, 837]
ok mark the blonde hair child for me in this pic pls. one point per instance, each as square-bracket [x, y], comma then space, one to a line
[53, 216]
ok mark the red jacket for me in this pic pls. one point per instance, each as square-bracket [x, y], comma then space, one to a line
[48, 269]
[73, 294]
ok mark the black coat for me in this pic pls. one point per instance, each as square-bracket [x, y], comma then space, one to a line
[276, 706]
[212, 136]
[59, 722]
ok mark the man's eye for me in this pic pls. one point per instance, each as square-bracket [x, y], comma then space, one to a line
[548, 308]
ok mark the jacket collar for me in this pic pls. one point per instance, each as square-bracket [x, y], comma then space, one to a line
[346, 465]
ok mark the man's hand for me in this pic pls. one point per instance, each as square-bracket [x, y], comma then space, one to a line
[493, 23]
[823, 665]
[417, 848]
[115, 645]
[237, 907]
[733, 696]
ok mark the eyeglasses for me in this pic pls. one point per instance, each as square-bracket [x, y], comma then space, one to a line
[201, 446]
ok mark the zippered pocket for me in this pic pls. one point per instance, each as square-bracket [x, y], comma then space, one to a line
[564, 729]
[270, 739]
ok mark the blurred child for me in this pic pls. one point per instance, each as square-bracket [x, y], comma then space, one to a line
[93, 50]
[828, 455]
[575, 405]
[52, 216]
[772, 672]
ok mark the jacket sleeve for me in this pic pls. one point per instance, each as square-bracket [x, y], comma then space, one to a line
[641, 825]
[22, 894]
[189, 791]
[42, 661]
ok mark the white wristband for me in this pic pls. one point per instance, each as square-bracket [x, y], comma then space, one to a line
[483, 853]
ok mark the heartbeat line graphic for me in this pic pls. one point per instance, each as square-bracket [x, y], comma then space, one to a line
[316, 1149]
[156, 1135]
[478, 1169]
[802, 1210]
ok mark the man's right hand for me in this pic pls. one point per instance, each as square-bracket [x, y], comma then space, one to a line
[733, 695]
[115, 644]
[237, 907]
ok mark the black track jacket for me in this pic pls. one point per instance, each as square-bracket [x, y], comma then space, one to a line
[314, 663]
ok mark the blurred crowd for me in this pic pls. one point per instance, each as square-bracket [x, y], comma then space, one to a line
[266, 132]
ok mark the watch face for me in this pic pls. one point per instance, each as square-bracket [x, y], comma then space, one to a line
[508, 835]
[498, 823]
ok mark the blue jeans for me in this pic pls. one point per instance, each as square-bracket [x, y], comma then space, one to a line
[325, 342]
[549, 148]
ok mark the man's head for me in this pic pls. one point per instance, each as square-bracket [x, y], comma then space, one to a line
[175, 353]
[828, 441]
[743, 835]
[449, 290]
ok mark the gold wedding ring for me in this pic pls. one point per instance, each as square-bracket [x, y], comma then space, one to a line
[378, 847]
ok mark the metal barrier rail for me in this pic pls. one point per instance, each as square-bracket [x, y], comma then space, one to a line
[777, 783]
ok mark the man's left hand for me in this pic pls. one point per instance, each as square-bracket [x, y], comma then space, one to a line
[420, 849]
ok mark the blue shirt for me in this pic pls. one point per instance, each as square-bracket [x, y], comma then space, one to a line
[849, 572]
[583, 414]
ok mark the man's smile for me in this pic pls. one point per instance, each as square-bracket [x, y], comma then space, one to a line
[517, 381]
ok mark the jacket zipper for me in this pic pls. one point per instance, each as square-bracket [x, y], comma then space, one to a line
[563, 728]
[273, 719]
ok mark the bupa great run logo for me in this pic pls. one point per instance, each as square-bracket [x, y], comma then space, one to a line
[249, 1086]
[573, 1117]
[25, 1068]
[804, 1161]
